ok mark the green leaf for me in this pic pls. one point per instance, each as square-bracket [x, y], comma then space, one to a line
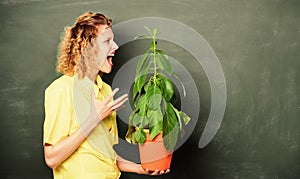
[142, 37]
[156, 129]
[154, 117]
[142, 105]
[134, 93]
[141, 73]
[148, 29]
[139, 83]
[170, 128]
[155, 122]
[144, 122]
[185, 117]
[162, 53]
[140, 136]
[136, 120]
[131, 129]
[181, 83]
[163, 61]
[129, 135]
[166, 86]
[147, 85]
[181, 130]
[154, 97]
[154, 32]
[163, 106]
[144, 62]
[140, 120]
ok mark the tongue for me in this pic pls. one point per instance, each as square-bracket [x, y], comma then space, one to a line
[109, 61]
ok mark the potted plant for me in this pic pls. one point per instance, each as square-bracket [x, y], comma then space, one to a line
[155, 122]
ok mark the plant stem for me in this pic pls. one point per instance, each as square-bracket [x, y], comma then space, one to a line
[154, 59]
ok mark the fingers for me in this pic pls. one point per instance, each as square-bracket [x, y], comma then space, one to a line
[120, 99]
[157, 172]
[164, 172]
[110, 97]
[114, 91]
[119, 102]
[110, 105]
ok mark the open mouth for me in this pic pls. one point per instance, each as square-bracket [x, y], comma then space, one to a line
[109, 60]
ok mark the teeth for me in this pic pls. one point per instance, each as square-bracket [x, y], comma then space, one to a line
[109, 59]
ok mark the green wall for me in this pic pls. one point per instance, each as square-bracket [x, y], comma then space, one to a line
[256, 41]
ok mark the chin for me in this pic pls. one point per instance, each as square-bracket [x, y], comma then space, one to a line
[106, 71]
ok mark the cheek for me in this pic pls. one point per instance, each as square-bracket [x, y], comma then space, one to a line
[104, 50]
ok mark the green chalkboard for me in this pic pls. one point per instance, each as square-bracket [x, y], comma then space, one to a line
[257, 43]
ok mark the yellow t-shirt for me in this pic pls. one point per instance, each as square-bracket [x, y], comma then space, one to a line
[95, 157]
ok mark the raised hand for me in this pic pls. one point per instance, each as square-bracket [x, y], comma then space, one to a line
[100, 110]
[107, 106]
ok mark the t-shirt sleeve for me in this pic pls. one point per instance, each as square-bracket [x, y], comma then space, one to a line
[57, 116]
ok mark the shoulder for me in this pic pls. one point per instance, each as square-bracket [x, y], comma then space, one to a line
[61, 84]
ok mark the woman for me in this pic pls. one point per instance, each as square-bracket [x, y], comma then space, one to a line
[80, 120]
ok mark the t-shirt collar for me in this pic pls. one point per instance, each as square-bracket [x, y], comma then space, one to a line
[99, 82]
[98, 85]
[92, 85]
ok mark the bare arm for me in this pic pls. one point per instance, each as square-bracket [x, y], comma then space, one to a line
[128, 166]
[55, 154]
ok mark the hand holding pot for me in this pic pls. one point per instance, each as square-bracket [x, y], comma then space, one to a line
[141, 170]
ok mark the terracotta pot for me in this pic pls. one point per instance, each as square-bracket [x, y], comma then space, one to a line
[154, 155]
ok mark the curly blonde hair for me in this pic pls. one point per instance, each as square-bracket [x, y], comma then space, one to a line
[78, 49]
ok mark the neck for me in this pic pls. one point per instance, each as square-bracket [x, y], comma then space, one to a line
[92, 75]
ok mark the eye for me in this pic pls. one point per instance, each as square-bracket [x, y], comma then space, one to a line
[107, 41]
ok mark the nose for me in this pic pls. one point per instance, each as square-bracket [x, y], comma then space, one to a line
[115, 45]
